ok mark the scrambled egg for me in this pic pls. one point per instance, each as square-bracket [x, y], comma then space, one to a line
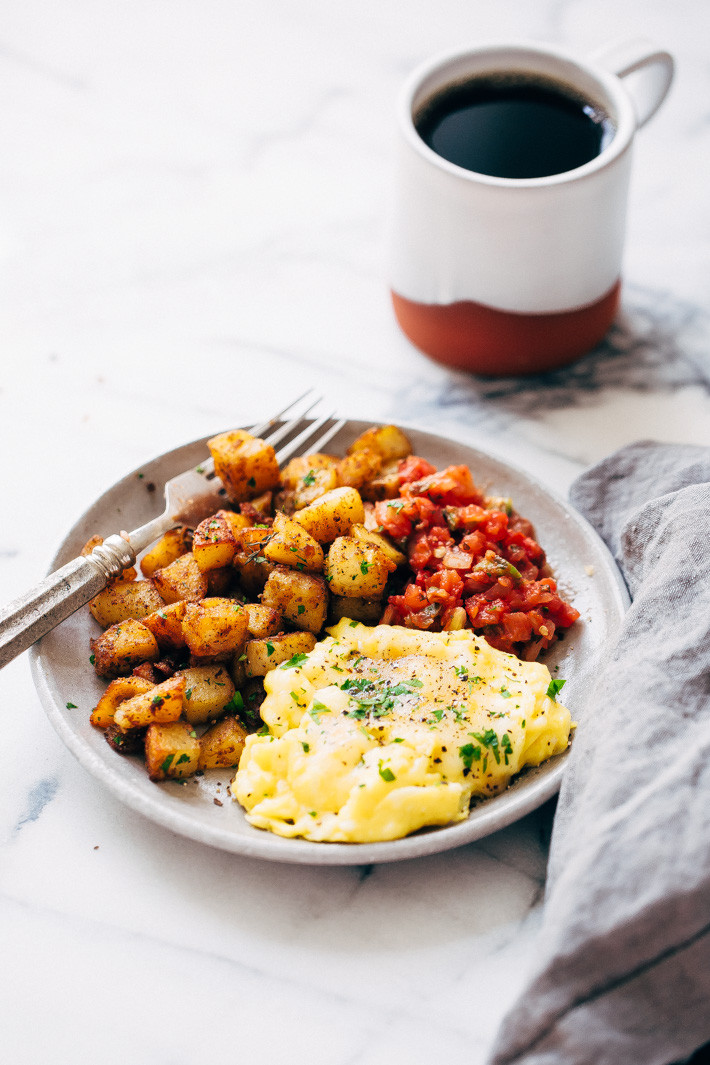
[381, 731]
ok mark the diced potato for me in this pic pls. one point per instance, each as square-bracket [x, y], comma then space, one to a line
[221, 745]
[301, 597]
[117, 692]
[368, 611]
[263, 620]
[182, 579]
[219, 581]
[385, 486]
[378, 539]
[129, 574]
[171, 751]
[290, 545]
[356, 569]
[216, 540]
[215, 628]
[245, 464]
[125, 599]
[121, 647]
[166, 625]
[253, 572]
[238, 669]
[297, 471]
[387, 440]
[162, 703]
[332, 515]
[265, 655]
[173, 544]
[208, 690]
[359, 468]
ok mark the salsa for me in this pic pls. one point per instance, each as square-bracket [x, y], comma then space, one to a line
[475, 561]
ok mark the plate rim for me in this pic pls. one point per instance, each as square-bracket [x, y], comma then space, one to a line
[491, 816]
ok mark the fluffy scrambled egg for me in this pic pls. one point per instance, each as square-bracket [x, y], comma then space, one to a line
[381, 731]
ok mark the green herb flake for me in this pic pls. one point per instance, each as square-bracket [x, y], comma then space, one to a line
[235, 704]
[306, 747]
[310, 478]
[264, 731]
[251, 482]
[555, 687]
[301, 608]
[188, 694]
[167, 763]
[364, 567]
[386, 773]
[92, 659]
[183, 758]
[72, 706]
[301, 656]
[269, 648]
[318, 708]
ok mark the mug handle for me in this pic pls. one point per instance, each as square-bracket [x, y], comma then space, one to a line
[653, 67]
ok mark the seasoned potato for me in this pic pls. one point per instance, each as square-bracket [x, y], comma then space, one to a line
[245, 464]
[368, 611]
[253, 572]
[263, 620]
[387, 440]
[216, 540]
[121, 647]
[208, 690]
[291, 545]
[385, 486]
[166, 625]
[381, 540]
[219, 581]
[117, 692]
[301, 597]
[182, 579]
[171, 750]
[332, 515]
[173, 544]
[161, 703]
[357, 569]
[295, 473]
[221, 745]
[125, 599]
[215, 628]
[359, 468]
[265, 655]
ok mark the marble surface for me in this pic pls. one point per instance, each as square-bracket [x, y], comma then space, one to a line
[193, 215]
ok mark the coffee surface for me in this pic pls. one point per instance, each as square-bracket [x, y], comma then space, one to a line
[513, 127]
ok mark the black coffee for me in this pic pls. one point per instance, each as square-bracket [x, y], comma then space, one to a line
[513, 126]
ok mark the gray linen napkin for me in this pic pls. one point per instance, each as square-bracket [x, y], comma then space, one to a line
[623, 975]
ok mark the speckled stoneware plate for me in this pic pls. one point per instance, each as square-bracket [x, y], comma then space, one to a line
[585, 572]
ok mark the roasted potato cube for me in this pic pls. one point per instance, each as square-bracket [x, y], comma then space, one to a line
[171, 751]
[245, 464]
[385, 486]
[332, 515]
[356, 569]
[378, 539]
[166, 625]
[215, 628]
[265, 655]
[263, 620]
[253, 572]
[162, 703]
[295, 473]
[117, 692]
[238, 669]
[121, 647]
[368, 611]
[221, 745]
[300, 597]
[182, 579]
[216, 540]
[290, 545]
[387, 440]
[125, 599]
[129, 574]
[170, 546]
[219, 581]
[208, 690]
[359, 468]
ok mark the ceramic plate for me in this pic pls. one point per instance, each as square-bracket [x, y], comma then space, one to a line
[586, 575]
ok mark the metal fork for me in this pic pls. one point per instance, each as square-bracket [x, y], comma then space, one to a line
[189, 497]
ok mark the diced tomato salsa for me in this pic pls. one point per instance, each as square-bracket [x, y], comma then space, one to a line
[475, 563]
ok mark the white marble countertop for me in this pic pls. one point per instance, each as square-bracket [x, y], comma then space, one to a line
[194, 207]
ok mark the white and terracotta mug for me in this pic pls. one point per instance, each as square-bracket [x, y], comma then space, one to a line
[498, 275]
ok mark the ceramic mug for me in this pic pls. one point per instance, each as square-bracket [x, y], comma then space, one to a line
[498, 275]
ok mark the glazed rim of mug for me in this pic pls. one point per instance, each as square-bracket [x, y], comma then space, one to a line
[593, 83]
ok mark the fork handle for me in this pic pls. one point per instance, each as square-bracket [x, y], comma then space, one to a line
[60, 594]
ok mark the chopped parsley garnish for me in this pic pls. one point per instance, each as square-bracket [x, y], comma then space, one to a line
[301, 608]
[301, 656]
[386, 774]
[364, 567]
[167, 763]
[489, 739]
[555, 687]
[183, 758]
[269, 648]
[235, 704]
[306, 747]
[310, 478]
[264, 731]
[72, 706]
[375, 699]
[468, 755]
[318, 708]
